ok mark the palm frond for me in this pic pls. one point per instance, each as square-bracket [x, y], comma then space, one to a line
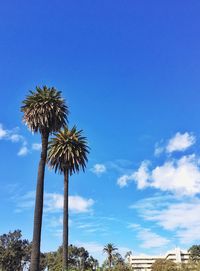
[109, 248]
[68, 150]
[44, 110]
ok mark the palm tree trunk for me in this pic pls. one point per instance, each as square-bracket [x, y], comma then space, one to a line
[110, 261]
[35, 251]
[65, 221]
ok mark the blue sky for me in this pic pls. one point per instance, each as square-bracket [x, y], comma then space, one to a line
[129, 71]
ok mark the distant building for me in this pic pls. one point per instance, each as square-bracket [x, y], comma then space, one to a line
[144, 262]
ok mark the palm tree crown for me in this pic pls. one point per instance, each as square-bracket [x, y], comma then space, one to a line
[44, 110]
[68, 151]
[109, 249]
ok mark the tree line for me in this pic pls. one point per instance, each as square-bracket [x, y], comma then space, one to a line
[15, 255]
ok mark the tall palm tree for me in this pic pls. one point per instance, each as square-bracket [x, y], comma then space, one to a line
[67, 154]
[109, 249]
[45, 112]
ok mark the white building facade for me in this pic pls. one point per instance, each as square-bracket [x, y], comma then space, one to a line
[144, 262]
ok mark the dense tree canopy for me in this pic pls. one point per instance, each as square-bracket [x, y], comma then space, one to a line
[14, 251]
[195, 253]
[79, 259]
[15, 254]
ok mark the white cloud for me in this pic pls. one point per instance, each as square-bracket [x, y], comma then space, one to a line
[98, 169]
[36, 146]
[178, 216]
[140, 176]
[124, 180]
[179, 176]
[180, 142]
[79, 204]
[148, 238]
[53, 202]
[11, 135]
[3, 132]
[23, 151]
[14, 137]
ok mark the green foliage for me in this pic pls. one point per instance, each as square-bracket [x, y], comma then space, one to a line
[68, 151]
[44, 110]
[79, 259]
[14, 251]
[15, 254]
[164, 265]
[115, 261]
[195, 253]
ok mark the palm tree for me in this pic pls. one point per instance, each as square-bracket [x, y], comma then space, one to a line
[109, 249]
[127, 256]
[67, 154]
[44, 112]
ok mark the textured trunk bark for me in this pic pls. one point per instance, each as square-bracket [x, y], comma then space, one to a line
[65, 221]
[35, 251]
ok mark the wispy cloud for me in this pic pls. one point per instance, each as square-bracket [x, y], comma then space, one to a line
[179, 216]
[148, 238]
[98, 169]
[11, 135]
[14, 136]
[119, 165]
[92, 227]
